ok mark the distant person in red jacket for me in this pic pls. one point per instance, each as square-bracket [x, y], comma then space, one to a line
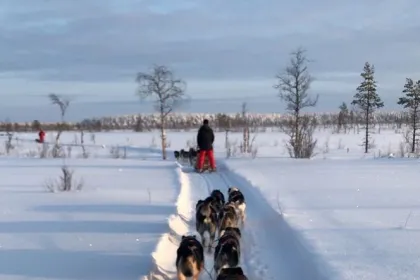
[41, 136]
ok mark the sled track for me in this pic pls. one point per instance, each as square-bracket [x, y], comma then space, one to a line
[221, 182]
[271, 249]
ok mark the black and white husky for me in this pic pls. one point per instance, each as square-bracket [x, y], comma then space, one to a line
[237, 198]
[228, 250]
[206, 221]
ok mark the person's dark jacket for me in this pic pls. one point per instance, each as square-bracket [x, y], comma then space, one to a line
[205, 138]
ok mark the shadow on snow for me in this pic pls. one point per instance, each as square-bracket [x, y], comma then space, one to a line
[59, 264]
[151, 209]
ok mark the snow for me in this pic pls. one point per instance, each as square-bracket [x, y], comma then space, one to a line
[106, 231]
[352, 213]
[341, 215]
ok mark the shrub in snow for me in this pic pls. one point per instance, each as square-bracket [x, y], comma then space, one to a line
[118, 152]
[66, 182]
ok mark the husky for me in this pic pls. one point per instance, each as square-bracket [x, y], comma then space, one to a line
[228, 251]
[228, 217]
[231, 273]
[206, 221]
[189, 258]
[218, 200]
[236, 196]
[192, 155]
[181, 155]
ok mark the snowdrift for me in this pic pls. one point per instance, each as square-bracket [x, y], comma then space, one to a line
[165, 254]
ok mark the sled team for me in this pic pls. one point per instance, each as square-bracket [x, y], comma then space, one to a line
[214, 216]
[205, 140]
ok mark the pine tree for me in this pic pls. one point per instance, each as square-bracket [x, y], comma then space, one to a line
[367, 99]
[342, 117]
[411, 101]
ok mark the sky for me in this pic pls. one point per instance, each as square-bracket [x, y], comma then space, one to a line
[91, 50]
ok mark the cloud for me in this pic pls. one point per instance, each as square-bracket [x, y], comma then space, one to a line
[207, 42]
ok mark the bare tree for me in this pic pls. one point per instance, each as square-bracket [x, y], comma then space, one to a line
[81, 128]
[367, 100]
[411, 101]
[293, 85]
[168, 92]
[63, 104]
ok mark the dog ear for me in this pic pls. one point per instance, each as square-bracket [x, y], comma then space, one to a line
[183, 237]
[229, 190]
[238, 231]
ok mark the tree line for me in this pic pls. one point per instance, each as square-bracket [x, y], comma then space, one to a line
[339, 121]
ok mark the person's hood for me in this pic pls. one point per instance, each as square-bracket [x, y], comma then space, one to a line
[205, 127]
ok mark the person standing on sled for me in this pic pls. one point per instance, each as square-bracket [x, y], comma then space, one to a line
[205, 139]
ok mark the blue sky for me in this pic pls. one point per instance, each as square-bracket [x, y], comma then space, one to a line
[92, 49]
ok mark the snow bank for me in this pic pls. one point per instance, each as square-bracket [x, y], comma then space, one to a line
[165, 254]
[273, 248]
[356, 215]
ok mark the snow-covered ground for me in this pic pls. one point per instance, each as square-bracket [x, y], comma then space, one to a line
[341, 215]
[108, 230]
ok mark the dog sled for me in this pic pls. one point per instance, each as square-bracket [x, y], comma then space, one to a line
[191, 157]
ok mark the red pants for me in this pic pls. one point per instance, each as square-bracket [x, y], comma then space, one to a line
[201, 157]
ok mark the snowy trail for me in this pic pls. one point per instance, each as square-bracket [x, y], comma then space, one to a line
[271, 248]
[201, 186]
